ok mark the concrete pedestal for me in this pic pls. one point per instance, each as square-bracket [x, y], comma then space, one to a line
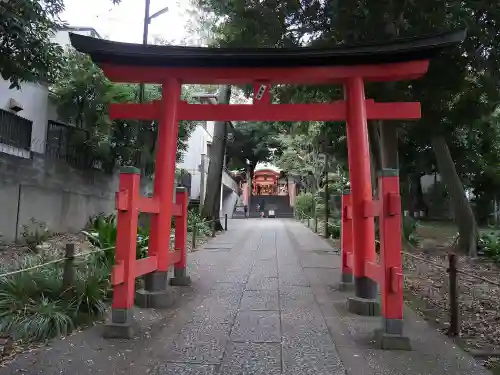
[391, 341]
[180, 278]
[363, 306]
[156, 293]
[122, 325]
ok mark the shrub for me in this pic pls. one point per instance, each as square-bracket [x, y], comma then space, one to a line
[304, 204]
[489, 245]
[195, 219]
[35, 233]
[101, 233]
[409, 229]
[32, 306]
[334, 228]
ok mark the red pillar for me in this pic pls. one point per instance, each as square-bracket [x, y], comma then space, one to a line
[346, 237]
[391, 283]
[361, 189]
[159, 243]
[127, 201]
[180, 268]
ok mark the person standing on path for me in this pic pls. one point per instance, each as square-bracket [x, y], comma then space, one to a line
[262, 207]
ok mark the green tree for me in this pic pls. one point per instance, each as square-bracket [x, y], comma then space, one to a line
[82, 96]
[459, 89]
[26, 52]
[253, 142]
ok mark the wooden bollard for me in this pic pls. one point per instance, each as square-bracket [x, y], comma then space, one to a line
[454, 329]
[69, 271]
[193, 239]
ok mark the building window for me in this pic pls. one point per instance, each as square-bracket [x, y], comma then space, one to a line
[209, 150]
[15, 130]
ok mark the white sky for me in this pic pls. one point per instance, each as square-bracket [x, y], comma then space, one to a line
[124, 22]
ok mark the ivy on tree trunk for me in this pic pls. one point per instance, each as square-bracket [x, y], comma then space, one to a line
[464, 217]
[211, 205]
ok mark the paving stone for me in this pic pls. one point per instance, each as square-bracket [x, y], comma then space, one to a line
[233, 277]
[252, 359]
[260, 300]
[308, 259]
[295, 322]
[221, 314]
[266, 283]
[183, 369]
[297, 298]
[323, 276]
[292, 276]
[257, 326]
[355, 362]
[311, 354]
[199, 343]
[222, 290]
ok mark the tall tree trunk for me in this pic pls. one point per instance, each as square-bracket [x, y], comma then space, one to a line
[375, 152]
[388, 145]
[211, 205]
[417, 196]
[464, 217]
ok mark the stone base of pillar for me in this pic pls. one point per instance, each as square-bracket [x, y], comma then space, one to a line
[156, 293]
[391, 341]
[162, 299]
[122, 325]
[346, 283]
[180, 278]
[363, 306]
[345, 287]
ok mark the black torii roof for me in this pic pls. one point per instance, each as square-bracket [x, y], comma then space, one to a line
[398, 50]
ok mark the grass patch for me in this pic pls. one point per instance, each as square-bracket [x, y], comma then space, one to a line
[33, 306]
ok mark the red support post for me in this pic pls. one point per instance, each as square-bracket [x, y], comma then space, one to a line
[346, 241]
[127, 205]
[391, 282]
[156, 293]
[180, 268]
[361, 190]
[165, 173]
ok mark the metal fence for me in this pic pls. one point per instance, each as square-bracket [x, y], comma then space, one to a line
[67, 143]
[15, 131]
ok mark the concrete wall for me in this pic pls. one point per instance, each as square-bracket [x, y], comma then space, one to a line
[229, 200]
[52, 192]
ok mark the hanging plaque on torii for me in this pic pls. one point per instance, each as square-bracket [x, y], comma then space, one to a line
[350, 66]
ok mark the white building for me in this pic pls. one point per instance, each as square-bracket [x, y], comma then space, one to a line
[196, 161]
[29, 122]
[25, 113]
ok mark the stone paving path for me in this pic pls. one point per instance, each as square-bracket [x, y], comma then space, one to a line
[263, 302]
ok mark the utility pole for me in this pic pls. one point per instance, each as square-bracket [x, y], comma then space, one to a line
[147, 20]
[139, 134]
[249, 187]
[326, 149]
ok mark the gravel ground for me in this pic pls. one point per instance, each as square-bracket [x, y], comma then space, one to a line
[479, 302]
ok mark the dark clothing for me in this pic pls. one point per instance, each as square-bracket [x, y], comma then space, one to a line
[262, 206]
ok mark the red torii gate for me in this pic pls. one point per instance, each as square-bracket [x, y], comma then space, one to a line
[350, 66]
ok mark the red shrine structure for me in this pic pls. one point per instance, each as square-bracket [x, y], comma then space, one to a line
[349, 66]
